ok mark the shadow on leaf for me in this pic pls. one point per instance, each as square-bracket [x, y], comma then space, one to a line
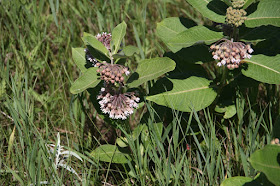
[217, 6]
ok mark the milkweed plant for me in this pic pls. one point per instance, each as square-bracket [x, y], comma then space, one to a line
[203, 63]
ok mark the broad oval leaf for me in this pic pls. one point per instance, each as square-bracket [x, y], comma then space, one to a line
[237, 181]
[78, 55]
[93, 42]
[118, 34]
[110, 153]
[267, 13]
[267, 161]
[186, 95]
[149, 69]
[88, 80]
[197, 34]
[168, 29]
[212, 9]
[130, 50]
[263, 68]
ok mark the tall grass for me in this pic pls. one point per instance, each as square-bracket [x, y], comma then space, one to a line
[36, 71]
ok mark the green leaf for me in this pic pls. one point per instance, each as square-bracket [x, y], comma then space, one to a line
[168, 29]
[130, 50]
[258, 34]
[267, 160]
[149, 69]
[118, 34]
[94, 43]
[186, 95]
[2, 88]
[229, 110]
[110, 153]
[122, 141]
[78, 55]
[247, 3]
[263, 68]
[88, 80]
[267, 13]
[237, 181]
[158, 128]
[197, 34]
[212, 9]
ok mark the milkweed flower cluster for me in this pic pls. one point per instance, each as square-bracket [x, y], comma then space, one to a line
[235, 16]
[105, 38]
[112, 100]
[117, 105]
[237, 3]
[230, 53]
[112, 72]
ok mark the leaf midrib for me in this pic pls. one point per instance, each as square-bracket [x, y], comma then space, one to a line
[265, 165]
[268, 68]
[170, 29]
[185, 91]
[262, 18]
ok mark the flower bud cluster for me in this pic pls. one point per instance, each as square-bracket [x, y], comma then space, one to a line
[275, 141]
[89, 57]
[117, 105]
[105, 39]
[235, 16]
[237, 3]
[230, 53]
[112, 73]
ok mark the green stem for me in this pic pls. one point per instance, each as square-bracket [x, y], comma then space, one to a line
[235, 34]
[224, 76]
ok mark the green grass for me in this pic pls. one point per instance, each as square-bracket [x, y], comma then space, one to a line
[36, 71]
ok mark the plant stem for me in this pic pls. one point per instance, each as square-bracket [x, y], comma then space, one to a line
[235, 34]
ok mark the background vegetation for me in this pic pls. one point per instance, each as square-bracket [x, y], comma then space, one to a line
[36, 70]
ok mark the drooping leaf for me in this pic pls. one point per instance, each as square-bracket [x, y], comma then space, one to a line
[237, 181]
[229, 110]
[110, 153]
[118, 34]
[130, 50]
[78, 55]
[94, 43]
[267, 160]
[149, 69]
[212, 9]
[88, 80]
[197, 34]
[169, 28]
[267, 13]
[186, 95]
[263, 68]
